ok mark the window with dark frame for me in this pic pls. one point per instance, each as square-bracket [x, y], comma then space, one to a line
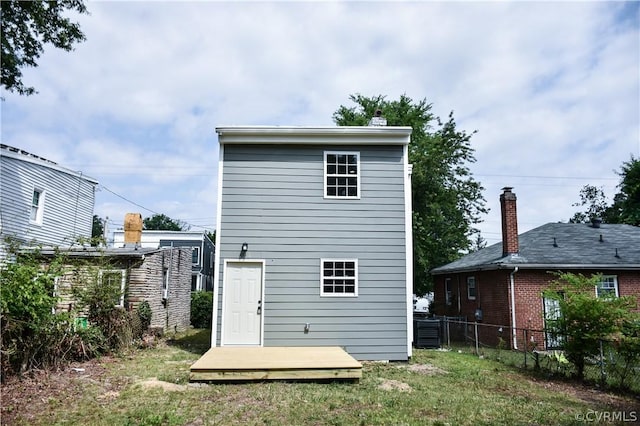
[339, 278]
[342, 174]
[448, 293]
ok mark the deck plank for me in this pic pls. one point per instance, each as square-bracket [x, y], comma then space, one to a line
[275, 363]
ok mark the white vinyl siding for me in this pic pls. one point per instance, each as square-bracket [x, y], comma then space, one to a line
[341, 174]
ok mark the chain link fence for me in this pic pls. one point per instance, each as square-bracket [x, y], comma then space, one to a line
[539, 350]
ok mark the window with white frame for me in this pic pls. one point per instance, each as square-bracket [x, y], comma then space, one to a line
[471, 288]
[448, 293]
[195, 255]
[341, 174]
[165, 283]
[607, 287]
[115, 281]
[339, 277]
[37, 206]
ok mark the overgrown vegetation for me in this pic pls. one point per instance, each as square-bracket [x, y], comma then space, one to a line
[37, 334]
[587, 320]
[201, 309]
[435, 388]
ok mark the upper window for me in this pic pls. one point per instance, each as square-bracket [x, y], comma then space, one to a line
[114, 280]
[607, 287]
[37, 206]
[448, 293]
[471, 288]
[341, 174]
[195, 255]
[339, 277]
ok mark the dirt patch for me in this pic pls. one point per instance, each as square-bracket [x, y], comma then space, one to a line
[426, 369]
[394, 385]
[27, 397]
[155, 383]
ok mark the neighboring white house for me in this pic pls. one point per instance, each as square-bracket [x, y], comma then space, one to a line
[42, 202]
[202, 251]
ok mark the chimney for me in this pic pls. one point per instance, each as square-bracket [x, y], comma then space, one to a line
[378, 119]
[509, 222]
[132, 229]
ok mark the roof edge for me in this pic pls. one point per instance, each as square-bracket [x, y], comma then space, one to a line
[298, 135]
[538, 266]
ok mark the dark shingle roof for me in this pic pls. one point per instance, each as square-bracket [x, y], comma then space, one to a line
[577, 246]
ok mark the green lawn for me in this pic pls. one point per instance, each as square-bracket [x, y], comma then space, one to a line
[150, 387]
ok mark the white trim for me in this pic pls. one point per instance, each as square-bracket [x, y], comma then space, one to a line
[323, 294]
[123, 281]
[262, 263]
[216, 263]
[615, 285]
[329, 135]
[471, 279]
[40, 207]
[408, 235]
[197, 262]
[512, 285]
[346, 176]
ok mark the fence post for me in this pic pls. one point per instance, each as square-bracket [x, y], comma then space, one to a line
[475, 327]
[524, 346]
[448, 334]
[602, 372]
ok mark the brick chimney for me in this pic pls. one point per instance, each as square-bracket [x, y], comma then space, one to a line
[509, 222]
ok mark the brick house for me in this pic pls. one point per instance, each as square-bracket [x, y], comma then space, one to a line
[502, 284]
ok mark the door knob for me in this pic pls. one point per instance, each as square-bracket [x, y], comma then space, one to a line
[259, 307]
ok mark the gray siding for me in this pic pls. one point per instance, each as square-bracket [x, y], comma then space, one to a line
[273, 199]
[68, 203]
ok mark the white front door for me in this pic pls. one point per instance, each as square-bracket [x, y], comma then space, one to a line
[242, 304]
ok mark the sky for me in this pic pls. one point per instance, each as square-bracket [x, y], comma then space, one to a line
[552, 89]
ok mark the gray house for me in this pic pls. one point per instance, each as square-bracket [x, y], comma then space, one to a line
[314, 239]
[202, 251]
[41, 201]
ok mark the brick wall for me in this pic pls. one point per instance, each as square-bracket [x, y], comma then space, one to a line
[493, 296]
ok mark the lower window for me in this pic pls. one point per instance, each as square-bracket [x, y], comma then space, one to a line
[339, 277]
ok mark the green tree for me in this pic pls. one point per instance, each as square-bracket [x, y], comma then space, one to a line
[626, 203]
[586, 319]
[26, 26]
[447, 201]
[596, 202]
[97, 231]
[161, 222]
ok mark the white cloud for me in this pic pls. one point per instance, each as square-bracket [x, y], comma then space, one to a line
[553, 89]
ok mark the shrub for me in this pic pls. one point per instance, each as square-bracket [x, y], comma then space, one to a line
[201, 309]
[586, 319]
[144, 313]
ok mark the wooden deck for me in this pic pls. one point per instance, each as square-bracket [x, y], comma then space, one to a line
[275, 363]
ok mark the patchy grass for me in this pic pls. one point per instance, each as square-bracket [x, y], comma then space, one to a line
[151, 387]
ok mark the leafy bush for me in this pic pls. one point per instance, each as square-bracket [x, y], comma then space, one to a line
[27, 321]
[201, 309]
[144, 313]
[586, 320]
